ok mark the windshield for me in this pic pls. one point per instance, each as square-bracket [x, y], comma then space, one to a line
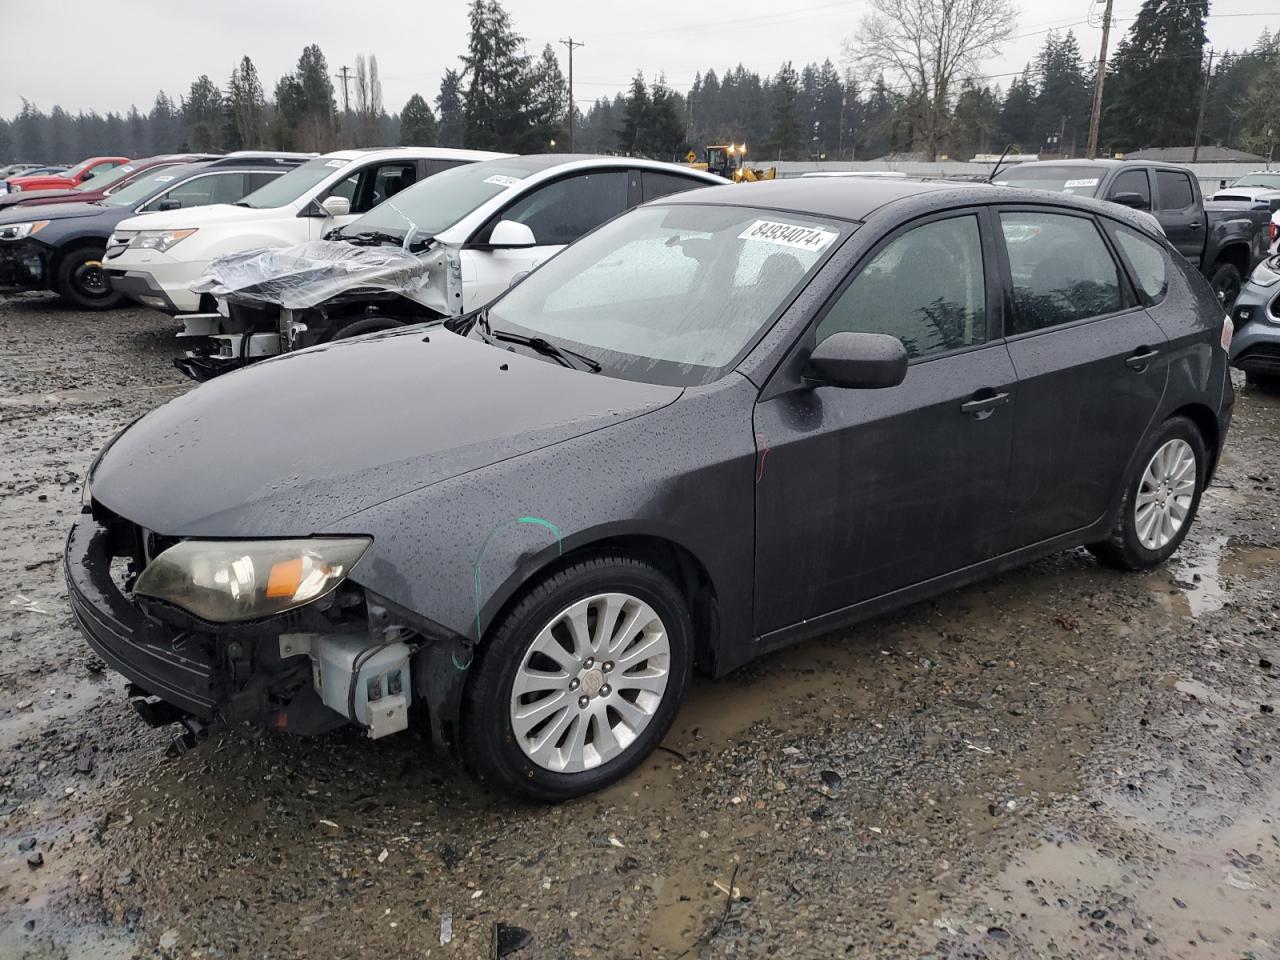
[1079, 180]
[670, 294]
[103, 180]
[78, 169]
[1269, 180]
[437, 203]
[145, 187]
[285, 190]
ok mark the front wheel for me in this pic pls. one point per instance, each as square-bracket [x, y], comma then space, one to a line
[1227, 283]
[82, 282]
[1160, 498]
[580, 680]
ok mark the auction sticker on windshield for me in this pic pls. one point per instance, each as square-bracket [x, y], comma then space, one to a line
[1071, 184]
[788, 235]
[502, 181]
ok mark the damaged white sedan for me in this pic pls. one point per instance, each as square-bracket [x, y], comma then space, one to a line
[441, 248]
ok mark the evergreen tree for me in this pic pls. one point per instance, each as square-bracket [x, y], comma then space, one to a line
[246, 105]
[635, 118]
[785, 134]
[828, 103]
[1065, 98]
[496, 107]
[164, 126]
[202, 115]
[1259, 110]
[417, 124]
[548, 100]
[315, 128]
[136, 136]
[665, 129]
[977, 119]
[59, 136]
[1018, 115]
[6, 142]
[1154, 95]
[449, 107]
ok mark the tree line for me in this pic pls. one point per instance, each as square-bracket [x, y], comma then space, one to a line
[909, 84]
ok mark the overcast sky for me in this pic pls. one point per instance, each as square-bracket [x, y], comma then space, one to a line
[122, 51]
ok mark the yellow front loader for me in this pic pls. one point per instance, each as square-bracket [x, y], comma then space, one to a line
[729, 160]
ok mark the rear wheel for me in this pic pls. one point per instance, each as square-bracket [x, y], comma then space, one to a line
[1160, 498]
[82, 282]
[1227, 283]
[580, 680]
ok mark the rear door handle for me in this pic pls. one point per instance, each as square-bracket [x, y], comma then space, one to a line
[1195, 225]
[982, 407]
[1141, 359]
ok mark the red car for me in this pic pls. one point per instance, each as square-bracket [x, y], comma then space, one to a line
[102, 185]
[94, 166]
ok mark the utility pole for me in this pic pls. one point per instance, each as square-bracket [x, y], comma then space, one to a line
[571, 43]
[1204, 98]
[345, 74]
[1091, 151]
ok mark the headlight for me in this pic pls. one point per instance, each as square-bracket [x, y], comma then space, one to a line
[1267, 273]
[20, 231]
[121, 238]
[231, 580]
[160, 240]
[16, 188]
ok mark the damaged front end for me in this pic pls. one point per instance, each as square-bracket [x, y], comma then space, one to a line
[275, 301]
[344, 657]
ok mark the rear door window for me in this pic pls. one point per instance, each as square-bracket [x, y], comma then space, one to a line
[1060, 268]
[661, 184]
[1175, 190]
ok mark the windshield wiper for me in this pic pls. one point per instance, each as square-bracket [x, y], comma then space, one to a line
[543, 346]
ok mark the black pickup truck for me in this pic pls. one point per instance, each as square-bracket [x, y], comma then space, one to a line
[1224, 239]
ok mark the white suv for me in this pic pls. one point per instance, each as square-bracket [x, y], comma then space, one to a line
[155, 258]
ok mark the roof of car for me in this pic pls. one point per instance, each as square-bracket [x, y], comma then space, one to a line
[850, 198]
[426, 153]
[538, 162]
[856, 198]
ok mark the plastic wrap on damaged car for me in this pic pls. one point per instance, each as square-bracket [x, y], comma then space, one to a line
[308, 274]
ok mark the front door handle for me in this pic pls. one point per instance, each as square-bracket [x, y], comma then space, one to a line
[1141, 359]
[983, 404]
[1195, 225]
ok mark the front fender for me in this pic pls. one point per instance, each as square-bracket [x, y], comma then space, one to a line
[457, 551]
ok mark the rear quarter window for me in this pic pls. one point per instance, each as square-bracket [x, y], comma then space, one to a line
[1145, 260]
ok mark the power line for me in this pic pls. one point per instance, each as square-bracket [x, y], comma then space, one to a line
[571, 43]
[345, 74]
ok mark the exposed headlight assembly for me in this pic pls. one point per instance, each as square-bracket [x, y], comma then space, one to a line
[160, 240]
[227, 581]
[20, 231]
[1267, 273]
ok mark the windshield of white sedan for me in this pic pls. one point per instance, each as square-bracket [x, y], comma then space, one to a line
[686, 284]
[437, 203]
[1081, 181]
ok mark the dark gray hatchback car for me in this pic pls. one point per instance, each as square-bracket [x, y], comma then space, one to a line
[723, 422]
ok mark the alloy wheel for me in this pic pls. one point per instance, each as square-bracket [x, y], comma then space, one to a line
[1165, 493]
[590, 682]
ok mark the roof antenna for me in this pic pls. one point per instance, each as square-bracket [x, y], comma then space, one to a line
[996, 168]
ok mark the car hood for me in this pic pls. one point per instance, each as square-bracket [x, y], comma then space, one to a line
[291, 446]
[209, 216]
[26, 196]
[51, 211]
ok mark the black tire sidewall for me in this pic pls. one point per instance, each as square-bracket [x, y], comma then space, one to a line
[68, 289]
[489, 744]
[1227, 270]
[1137, 555]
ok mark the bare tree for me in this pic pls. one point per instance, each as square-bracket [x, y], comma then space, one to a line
[930, 45]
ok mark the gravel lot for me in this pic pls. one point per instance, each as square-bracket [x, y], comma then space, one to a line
[1062, 762]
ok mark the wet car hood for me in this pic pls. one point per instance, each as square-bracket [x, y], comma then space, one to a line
[291, 446]
[53, 211]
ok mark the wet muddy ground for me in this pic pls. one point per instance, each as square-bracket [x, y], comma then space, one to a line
[1062, 762]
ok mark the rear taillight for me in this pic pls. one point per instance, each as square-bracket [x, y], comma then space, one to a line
[1275, 231]
[1228, 330]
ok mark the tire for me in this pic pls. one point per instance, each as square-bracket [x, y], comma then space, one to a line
[1227, 283]
[367, 325]
[1266, 382]
[1126, 547]
[494, 747]
[82, 282]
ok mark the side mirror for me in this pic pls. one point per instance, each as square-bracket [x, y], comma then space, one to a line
[508, 233]
[169, 205]
[336, 206]
[858, 360]
[88, 175]
[1135, 201]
